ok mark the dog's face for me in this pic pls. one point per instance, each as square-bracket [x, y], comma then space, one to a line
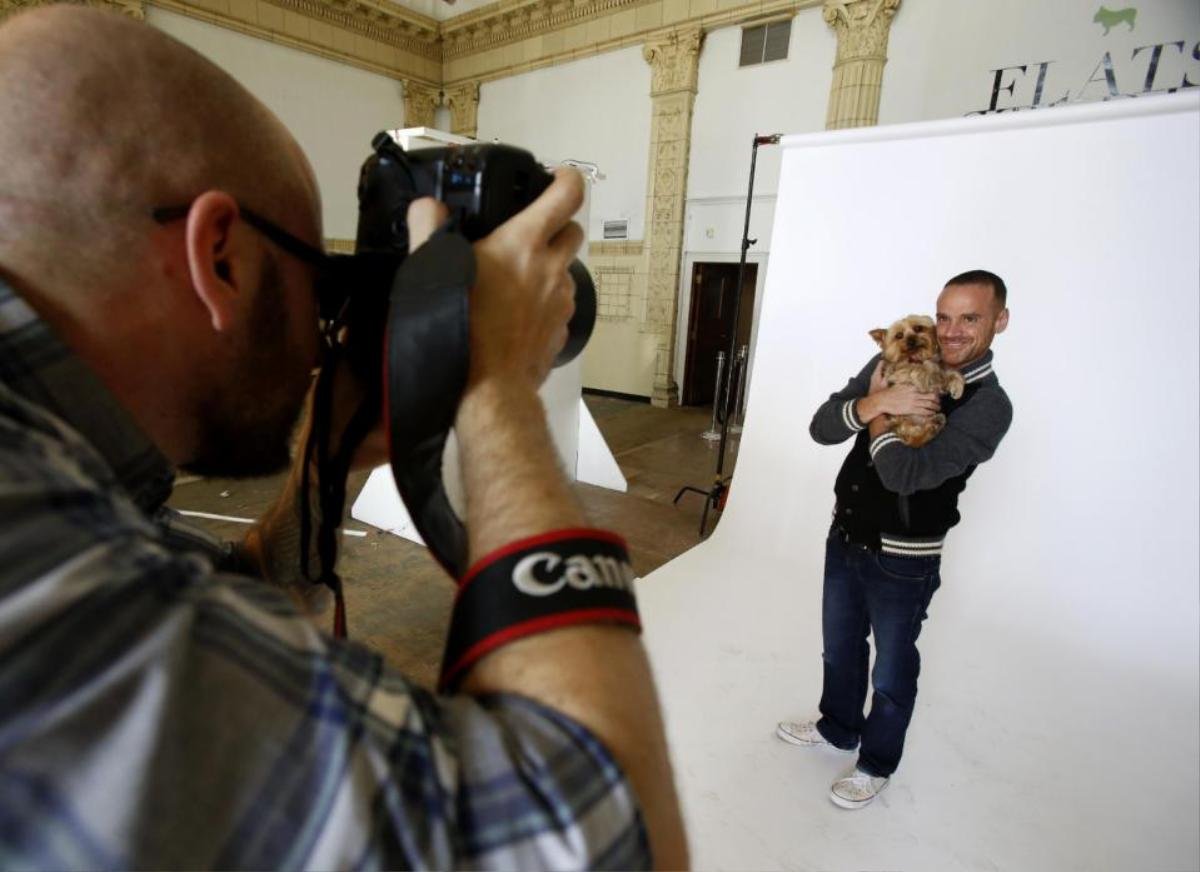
[909, 340]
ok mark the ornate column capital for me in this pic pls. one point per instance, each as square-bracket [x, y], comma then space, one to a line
[420, 104]
[463, 101]
[862, 27]
[674, 60]
[132, 8]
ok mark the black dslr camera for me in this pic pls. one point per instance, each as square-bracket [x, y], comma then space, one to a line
[405, 322]
[482, 185]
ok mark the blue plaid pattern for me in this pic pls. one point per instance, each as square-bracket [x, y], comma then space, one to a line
[157, 711]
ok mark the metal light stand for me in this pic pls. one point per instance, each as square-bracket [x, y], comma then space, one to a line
[739, 398]
[712, 434]
[715, 496]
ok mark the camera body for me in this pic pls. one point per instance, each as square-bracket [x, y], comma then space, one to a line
[401, 323]
[482, 186]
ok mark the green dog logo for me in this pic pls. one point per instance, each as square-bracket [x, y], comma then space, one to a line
[1110, 18]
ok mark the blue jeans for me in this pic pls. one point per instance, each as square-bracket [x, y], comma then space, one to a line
[870, 592]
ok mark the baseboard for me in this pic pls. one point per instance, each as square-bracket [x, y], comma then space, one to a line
[617, 395]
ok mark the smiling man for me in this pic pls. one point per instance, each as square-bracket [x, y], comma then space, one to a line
[894, 507]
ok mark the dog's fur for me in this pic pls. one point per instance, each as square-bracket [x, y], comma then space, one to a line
[911, 355]
[1110, 18]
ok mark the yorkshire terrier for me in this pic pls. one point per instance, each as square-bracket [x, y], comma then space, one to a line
[911, 355]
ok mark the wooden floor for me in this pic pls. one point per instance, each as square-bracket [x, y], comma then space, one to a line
[398, 600]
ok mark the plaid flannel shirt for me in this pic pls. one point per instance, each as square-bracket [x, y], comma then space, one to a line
[157, 712]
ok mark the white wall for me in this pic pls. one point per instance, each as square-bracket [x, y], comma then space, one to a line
[595, 109]
[943, 54]
[1060, 687]
[332, 109]
[733, 104]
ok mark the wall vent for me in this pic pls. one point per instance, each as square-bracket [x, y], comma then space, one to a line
[616, 229]
[765, 42]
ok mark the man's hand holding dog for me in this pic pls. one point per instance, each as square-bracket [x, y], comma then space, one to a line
[882, 402]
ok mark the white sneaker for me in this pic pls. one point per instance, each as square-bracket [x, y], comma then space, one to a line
[806, 734]
[856, 789]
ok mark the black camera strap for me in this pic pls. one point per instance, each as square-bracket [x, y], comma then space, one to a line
[425, 361]
[332, 468]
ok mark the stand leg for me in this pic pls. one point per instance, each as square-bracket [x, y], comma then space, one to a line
[685, 489]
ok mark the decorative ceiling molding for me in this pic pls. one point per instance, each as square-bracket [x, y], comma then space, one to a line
[323, 37]
[388, 23]
[415, 48]
[132, 8]
[460, 69]
[510, 20]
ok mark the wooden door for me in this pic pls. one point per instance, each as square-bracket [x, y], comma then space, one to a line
[711, 324]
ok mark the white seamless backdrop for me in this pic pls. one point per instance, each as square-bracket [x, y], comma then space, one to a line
[1060, 698]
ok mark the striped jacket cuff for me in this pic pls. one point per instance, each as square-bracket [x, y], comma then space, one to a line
[883, 440]
[900, 547]
[850, 418]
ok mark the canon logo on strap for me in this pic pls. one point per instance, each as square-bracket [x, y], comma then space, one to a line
[579, 571]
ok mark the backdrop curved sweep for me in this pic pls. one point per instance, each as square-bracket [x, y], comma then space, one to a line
[1057, 722]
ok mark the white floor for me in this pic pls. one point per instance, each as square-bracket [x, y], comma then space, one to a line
[1020, 756]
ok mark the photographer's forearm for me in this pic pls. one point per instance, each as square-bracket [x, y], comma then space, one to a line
[599, 675]
[514, 486]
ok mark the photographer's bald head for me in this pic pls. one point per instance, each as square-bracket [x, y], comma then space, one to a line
[196, 317]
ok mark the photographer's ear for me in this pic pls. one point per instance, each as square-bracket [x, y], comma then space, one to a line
[211, 256]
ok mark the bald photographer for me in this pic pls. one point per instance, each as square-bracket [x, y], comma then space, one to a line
[167, 705]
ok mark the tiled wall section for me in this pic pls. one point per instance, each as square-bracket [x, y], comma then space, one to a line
[620, 271]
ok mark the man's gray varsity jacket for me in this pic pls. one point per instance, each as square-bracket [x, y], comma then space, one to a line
[902, 500]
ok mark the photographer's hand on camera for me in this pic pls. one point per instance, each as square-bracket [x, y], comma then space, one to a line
[520, 305]
[515, 489]
[523, 296]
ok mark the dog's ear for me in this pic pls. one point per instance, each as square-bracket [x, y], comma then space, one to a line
[878, 334]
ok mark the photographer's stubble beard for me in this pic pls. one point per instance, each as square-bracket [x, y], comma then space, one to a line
[246, 426]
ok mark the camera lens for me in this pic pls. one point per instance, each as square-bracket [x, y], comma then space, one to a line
[579, 328]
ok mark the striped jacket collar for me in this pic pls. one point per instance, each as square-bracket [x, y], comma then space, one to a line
[40, 369]
[978, 370]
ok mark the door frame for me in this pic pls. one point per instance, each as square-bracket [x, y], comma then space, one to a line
[683, 305]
